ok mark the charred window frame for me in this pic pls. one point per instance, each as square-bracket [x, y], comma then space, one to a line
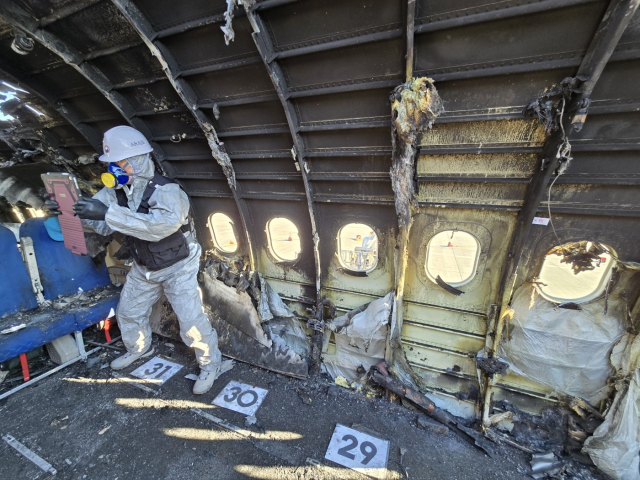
[599, 288]
[474, 266]
[349, 269]
[216, 242]
[482, 236]
[270, 241]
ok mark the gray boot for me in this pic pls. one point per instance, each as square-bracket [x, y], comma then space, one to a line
[128, 358]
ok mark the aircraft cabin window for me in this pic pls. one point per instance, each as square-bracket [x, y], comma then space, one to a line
[284, 240]
[222, 233]
[453, 255]
[358, 247]
[575, 272]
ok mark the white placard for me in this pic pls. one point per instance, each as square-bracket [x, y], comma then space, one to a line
[157, 370]
[358, 451]
[240, 397]
[540, 221]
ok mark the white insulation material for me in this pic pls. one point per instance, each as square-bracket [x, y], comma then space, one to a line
[567, 350]
[615, 444]
[360, 340]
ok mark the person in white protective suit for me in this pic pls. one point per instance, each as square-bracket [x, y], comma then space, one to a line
[152, 212]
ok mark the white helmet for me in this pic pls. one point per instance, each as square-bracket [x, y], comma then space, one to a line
[123, 142]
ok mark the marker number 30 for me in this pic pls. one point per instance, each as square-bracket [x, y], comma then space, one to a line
[368, 449]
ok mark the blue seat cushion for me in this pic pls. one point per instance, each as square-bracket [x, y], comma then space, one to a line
[16, 292]
[61, 271]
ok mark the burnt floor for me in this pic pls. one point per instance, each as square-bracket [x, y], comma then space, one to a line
[90, 425]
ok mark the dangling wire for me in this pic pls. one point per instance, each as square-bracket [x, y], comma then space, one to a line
[564, 154]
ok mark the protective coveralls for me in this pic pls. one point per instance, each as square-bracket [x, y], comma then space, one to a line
[168, 212]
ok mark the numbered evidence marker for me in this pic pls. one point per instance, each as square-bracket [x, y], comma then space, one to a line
[240, 397]
[358, 451]
[157, 370]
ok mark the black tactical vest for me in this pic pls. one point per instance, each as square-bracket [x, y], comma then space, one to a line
[161, 254]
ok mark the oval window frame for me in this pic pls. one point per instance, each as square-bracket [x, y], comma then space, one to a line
[348, 270]
[270, 248]
[474, 270]
[214, 238]
[597, 292]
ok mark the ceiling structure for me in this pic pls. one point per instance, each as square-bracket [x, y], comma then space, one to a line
[292, 119]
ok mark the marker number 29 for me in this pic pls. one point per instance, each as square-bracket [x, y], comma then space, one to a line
[367, 449]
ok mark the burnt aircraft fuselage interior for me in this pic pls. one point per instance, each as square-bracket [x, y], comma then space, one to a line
[448, 187]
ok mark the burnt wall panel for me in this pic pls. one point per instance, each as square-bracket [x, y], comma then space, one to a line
[346, 290]
[261, 211]
[204, 208]
[358, 189]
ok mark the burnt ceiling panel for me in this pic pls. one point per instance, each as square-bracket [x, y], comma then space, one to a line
[173, 124]
[211, 46]
[364, 105]
[356, 64]
[44, 8]
[516, 90]
[93, 106]
[245, 81]
[558, 34]
[349, 139]
[167, 13]
[361, 164]
[318, 21]
[619, 81]
[263, 114]
[187, 149]
[157, 96]
[202, 167]
[259, 143]
[129, 65]
[66, 82]
[98, 27]
[39, 59]
[260, 166]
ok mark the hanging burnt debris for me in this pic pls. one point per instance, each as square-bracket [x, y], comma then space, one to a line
[550, 107]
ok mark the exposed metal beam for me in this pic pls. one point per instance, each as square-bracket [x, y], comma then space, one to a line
[611, 28]
[411, 18]
[66, 111]
[17, 17]
[140, 23]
